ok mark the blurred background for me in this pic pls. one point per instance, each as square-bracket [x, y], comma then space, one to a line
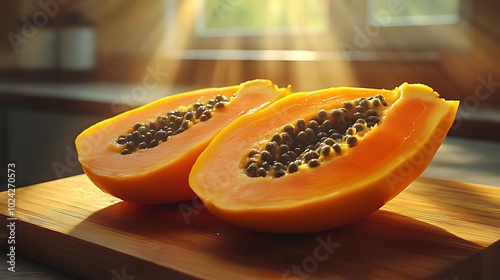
[66, 64]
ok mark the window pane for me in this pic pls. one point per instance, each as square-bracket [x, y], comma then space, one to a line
[258, 17]
[408, 13]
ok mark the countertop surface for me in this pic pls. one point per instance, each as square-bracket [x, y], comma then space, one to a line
[467, 160]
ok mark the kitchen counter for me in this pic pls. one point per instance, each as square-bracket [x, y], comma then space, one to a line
[467, 160]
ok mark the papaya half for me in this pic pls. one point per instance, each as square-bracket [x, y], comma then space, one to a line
[145, 155]
[317, 160]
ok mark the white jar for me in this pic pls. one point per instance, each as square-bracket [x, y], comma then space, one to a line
[77, 45]
[39, 51]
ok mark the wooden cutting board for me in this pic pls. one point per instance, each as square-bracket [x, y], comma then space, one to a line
[435, 229]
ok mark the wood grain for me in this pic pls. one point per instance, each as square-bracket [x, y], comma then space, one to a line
[435, 229]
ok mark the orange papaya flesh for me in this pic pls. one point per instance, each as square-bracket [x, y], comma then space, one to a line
[344, 187]
[159, 174]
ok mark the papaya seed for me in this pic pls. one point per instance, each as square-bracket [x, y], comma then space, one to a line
[197, 104]
[161, 135]
[325, 151]
[271, 147]
[314, 126]
[340, 126]
[252, 169]
[285, 158]
[279, 173]
[220, 97]
[276, 138]
[336, 136]
[286, 139]
[371, 112]
[261, 172]
[321, 114]
[313, 163]
[289, 128]
[329, 141]
[365, 104]
[359, 109]
[326, 125]
[219, 105]
[337, 148]
[352, 141]
[337, 114]
[302, 138]
[348, 105]
[186, 124]
[152, 144]
[284, 148]
[292, 155]
[142, 129]
[266, 165]
[203, 118]
[310, 135]
[293, 167]
[130, 146]
[311, 155]
[359, 127]
[142, 145]
[301, 124]
[359, 115]
[373, 119]
[252, 153]
[265, 156]
[361, 121]
[321, 135]
[122, 139]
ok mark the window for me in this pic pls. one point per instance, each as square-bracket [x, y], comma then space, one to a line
[314, 29]
[414, 13]
[417, 26]
[241, 18]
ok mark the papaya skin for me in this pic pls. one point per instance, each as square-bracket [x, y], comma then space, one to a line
[160, 175]
[340, 191]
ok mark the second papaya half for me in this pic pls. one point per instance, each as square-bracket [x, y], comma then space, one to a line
[317, 160]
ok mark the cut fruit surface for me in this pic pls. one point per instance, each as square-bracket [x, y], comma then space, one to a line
[317, 160]
[145, 155]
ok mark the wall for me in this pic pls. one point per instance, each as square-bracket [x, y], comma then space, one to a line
[127, 32]
[41, 143]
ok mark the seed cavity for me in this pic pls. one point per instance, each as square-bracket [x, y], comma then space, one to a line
[308, 143]
[152, 133]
